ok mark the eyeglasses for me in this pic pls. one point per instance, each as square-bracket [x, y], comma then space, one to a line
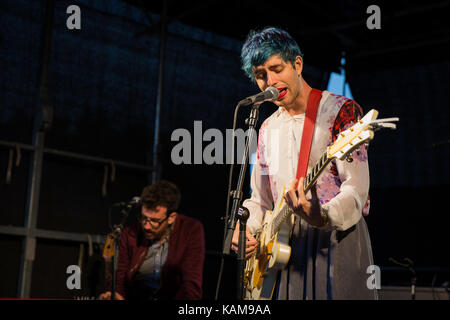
[155, 223]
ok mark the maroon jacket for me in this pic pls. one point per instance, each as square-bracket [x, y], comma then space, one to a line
[181, 274]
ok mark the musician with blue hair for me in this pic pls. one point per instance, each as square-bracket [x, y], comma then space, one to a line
[330, 243]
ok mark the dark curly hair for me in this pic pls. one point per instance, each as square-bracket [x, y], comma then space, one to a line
[161, 193]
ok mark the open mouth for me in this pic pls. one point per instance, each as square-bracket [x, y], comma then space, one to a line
[283, 92]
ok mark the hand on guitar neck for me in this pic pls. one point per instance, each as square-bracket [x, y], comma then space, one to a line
[309, 210]
[251, 242]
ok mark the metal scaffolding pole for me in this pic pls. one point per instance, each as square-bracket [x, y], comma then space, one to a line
[42, 122]
[79, 156]
[162, 56]
[29, 243]
[52, 234]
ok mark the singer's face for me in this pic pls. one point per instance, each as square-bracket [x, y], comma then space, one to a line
[155, 222]
[282, 75]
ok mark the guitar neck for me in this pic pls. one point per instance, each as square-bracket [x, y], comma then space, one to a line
[308, 182]
[348, 140]
[312, 176]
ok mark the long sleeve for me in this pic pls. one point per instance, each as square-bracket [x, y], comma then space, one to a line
[123, 264]
[192, 264]
[261, 199]
[345, 209]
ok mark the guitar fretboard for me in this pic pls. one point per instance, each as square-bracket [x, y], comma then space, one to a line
[309, 181]
[312, 176]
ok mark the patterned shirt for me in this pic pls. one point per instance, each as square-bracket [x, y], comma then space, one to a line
[342, 188]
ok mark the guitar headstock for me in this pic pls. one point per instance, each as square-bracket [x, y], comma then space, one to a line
[359, 133]
[108, 249]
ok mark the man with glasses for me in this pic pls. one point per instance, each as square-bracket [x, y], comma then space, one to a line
[161, 256]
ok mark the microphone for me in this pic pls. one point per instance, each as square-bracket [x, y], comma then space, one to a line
[136, 201]
[270, 94]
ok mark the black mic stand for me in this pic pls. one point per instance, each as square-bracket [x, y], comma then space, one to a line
[238, 212]
[243, 215]
[116, 236]
[409, 265]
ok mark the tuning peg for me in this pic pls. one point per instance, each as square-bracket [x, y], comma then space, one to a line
[358, 151]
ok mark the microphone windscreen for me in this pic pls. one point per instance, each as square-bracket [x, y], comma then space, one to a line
[274, 92]
[136, 200]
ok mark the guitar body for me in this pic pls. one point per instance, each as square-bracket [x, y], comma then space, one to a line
[272, 255]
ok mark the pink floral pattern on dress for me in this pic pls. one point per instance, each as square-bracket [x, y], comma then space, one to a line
[328, 188]
[349, 113]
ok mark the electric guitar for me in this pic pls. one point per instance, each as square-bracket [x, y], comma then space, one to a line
[273, 251]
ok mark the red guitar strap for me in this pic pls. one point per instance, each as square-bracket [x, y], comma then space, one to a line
[308, 131]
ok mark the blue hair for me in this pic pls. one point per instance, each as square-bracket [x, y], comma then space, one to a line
[261, 45]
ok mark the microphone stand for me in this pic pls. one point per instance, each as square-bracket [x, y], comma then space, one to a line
[238, 212]
[116, 236]
[409, 265]
[413, 278]
[243, 215]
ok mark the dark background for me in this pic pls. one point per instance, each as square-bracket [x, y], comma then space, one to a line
[103, 89]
